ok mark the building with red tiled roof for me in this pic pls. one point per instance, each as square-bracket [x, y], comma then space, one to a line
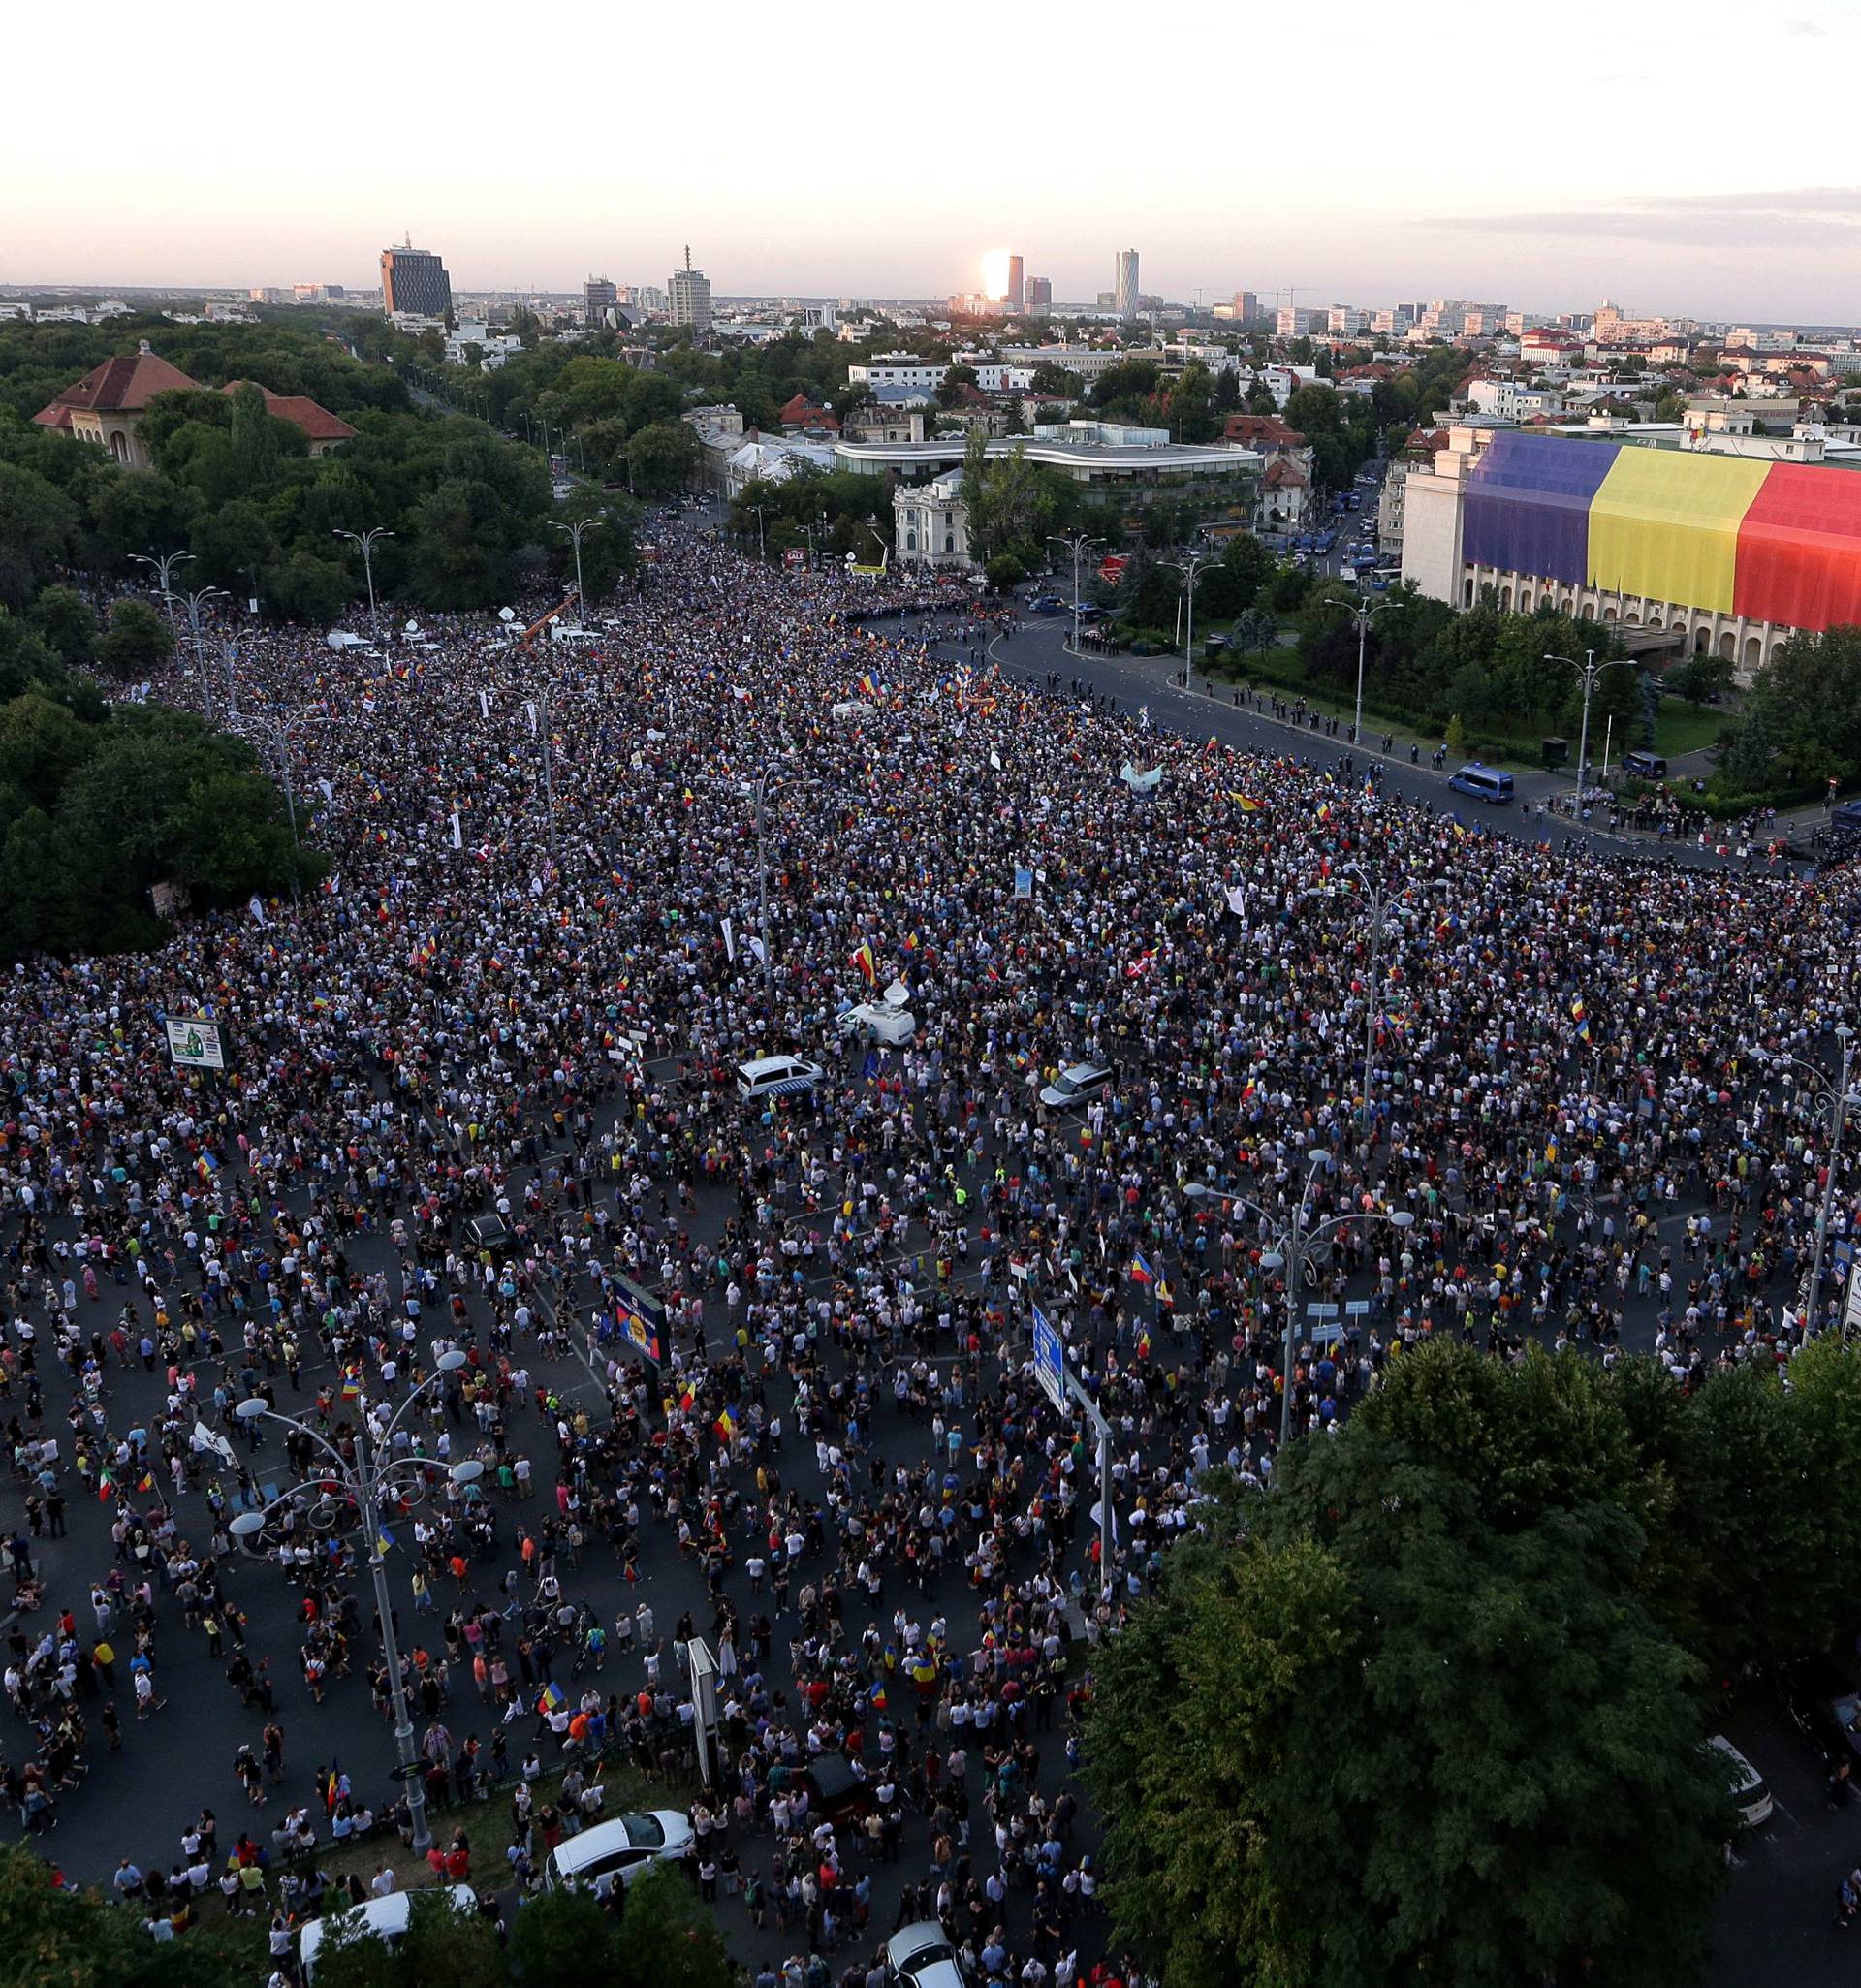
[802, 412]
[106, 407]
[321, 429]
[1262, 432]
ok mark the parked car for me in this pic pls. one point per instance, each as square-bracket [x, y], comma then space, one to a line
[834, 1793]
[620, 1848]
[378, 1919]
[1824, 1705]
[1077, 1085]
[1750, 1791]
[1644, 766]
[488, 1232]
[921, 1956]
[766, 1077]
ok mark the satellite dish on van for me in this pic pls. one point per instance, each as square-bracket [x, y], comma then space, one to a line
[412, 628]
[507, 615]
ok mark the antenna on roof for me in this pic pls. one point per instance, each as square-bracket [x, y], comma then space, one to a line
[687, 258]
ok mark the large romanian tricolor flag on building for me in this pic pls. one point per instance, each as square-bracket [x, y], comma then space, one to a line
[1776, 542]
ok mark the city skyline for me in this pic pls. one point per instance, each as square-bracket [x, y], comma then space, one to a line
[1602, 188]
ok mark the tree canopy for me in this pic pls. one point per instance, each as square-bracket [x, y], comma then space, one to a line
[1459, 1663]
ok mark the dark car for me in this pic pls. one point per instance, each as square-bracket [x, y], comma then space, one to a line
[834, 1793]
[1824, 1705]
[488, 1232]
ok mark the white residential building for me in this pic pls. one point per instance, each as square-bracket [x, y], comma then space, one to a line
[930, 523]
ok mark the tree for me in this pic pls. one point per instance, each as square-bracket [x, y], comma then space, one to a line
[59, 1934]
[138, 642]
[1701, 678]
[1425, 1659]
[66, 620]
[308, 588]
[667, 1940]
[663, 457]
[954, 379]
[231, 543]
[36, 525]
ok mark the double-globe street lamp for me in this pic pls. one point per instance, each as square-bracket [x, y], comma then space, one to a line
[1589, 669]
[1292, 1243]
[372, 1483]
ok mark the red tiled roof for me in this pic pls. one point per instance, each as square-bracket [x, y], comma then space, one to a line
[301, 412]
[1257, 430]
[1283, 475]
[125, 385]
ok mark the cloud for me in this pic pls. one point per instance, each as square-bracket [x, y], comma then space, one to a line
[1791, 218]
[1807, 28]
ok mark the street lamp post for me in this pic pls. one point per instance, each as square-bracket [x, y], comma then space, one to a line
[164, 564]
[1190, 568]
[1076, 545]
[575, 531]
[366, 540]
[279, 732]
[1840, 1096]
[762, 548]
[365, 1478]
[1589, 669]
[1363, 613]
[1293, 1246]
[1379, 897]
[768, 774]
[193, 602]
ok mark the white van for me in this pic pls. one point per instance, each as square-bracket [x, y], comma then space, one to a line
[1750, 1794]
[619, 1850]
[877, 1021]
[766, 1077]
[380, 1918]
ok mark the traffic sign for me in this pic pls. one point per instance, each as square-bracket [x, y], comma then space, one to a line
[1049, 1359]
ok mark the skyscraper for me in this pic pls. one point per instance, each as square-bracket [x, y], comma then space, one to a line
[1247, 305]
[1012, 301]
[414, 280]
[1125, 289]
[1040, 293]
[598, 296]
[689, 289]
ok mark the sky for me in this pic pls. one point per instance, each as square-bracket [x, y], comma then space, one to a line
[1367, 155]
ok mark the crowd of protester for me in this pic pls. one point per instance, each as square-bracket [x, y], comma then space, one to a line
[523, 991]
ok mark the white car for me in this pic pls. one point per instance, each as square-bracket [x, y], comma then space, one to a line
[921, 1956]
[380, 1918]
[1750, 1792]
[775, 1077]
[618, 1850]
[1077, 1085]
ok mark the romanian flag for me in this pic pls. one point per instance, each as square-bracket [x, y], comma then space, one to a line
[1580, 1015]
[1246, 802]
[1141, 1270]
[148, 1481]
[384, 1541]
[1166, 1292]
[351, 1386]
[912, 942]
[549, 1699]
[878, 1698]
[865, 960]
[867, 684]
[726, 1426]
